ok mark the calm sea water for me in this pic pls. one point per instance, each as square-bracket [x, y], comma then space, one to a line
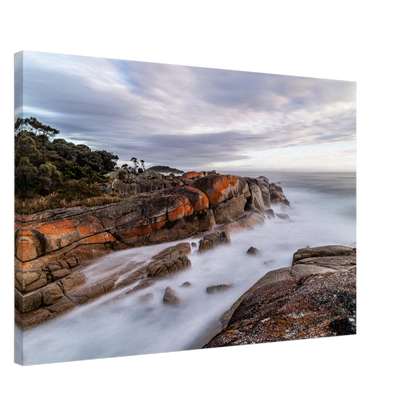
[323, 211]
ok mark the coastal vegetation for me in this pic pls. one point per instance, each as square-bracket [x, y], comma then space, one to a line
[54, 173]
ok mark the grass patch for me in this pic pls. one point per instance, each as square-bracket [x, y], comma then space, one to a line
[54, 200]
[72, 196]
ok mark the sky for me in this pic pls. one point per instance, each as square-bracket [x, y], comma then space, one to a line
[191, 118]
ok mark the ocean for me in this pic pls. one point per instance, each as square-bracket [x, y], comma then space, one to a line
[322, 212]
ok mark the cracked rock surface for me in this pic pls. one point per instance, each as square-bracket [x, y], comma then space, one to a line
[287, 304]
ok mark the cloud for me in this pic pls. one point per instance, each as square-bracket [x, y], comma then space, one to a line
[193, 151]
[183, 116]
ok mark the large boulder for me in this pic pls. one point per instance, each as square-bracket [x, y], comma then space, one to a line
[230, 209]
[323, 251]
[248, 221]
[197, 199]
[200, 205]
[255, 201]
[167, 208]
[263, 183]
[220, 188]
[293, 308]
[120, 186]
[336, 257]
[227, 195]
[302, 271]
[277, 195]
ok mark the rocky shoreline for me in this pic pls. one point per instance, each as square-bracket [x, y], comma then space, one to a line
[52, 247]
[314, 297]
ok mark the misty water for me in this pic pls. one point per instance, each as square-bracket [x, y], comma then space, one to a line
[322, 212]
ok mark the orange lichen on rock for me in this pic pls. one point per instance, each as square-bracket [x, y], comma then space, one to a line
[217, 188]
[89, 226]
[159, 223]
[56, 227]
[27, 246]
[99, 238]
[198, 200]
[190, 175]
[144, 228]
[179, 207]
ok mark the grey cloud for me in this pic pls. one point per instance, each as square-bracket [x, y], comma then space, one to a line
[184, 116]
[196, 151]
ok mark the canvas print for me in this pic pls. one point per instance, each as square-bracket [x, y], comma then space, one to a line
[163, 208]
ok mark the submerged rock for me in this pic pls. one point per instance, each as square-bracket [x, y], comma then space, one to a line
[166, 268]
[170, 297]
[283, 216]
[218, 288]
[213, 240]
[225, 237]
[252, 251]
[146, 298]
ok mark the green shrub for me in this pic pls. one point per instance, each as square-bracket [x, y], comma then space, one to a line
[76, 190]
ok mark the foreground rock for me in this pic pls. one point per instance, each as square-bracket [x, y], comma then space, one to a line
[298, 302]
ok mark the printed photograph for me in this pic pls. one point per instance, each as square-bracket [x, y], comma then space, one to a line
[163, 208]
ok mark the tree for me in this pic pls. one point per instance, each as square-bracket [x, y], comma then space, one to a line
[25, 170]
[45, 164]
[66, 150]
[49, 178]
[109, 160]
[89, 172]
[25, 173]
[135, 162]
[33, 125]
[25, 146]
